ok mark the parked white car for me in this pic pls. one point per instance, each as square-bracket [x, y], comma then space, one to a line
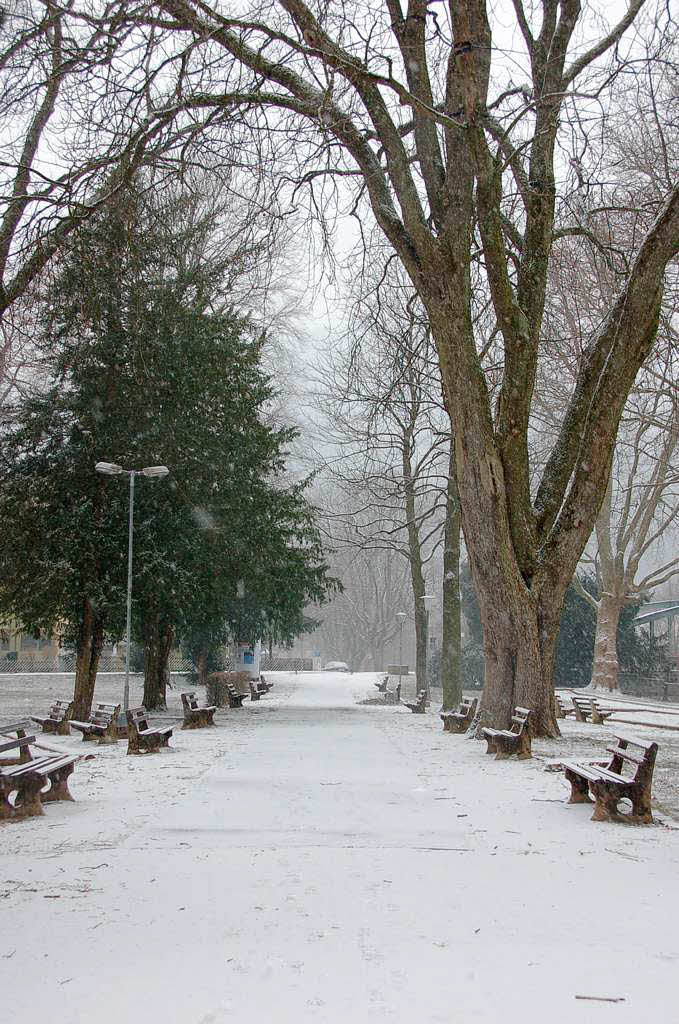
[336, 666]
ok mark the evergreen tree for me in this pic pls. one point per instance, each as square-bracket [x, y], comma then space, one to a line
[150, 367]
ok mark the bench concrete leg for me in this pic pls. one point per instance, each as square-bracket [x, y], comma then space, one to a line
[608, 797]
[606, 805]
[27, 802]
[524, 751]
[641, 810]
[579, 789]
[59, 786]
[492, 747]
[144, 747]
[6, 809]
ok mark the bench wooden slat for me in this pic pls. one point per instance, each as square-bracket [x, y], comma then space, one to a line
[626, 755]
[42, 765]
[645, 744]
[17, 744]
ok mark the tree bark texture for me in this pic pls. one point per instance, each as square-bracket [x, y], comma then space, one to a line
[202, 668]
[433, 161]
[90, 644]
[605, 667]
[158, 644]
[451, 680]
[415, 560]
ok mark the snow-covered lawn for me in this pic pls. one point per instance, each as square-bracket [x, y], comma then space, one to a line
[312, 859]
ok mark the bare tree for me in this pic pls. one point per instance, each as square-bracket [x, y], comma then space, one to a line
[390, 433]
[381, 393]
[641, 502]
[640, 506]
[360, 623]
[459, 152]
[452, 152]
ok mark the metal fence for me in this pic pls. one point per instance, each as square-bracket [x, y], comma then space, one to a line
[28, 663]
[665, 687]
[286, 664]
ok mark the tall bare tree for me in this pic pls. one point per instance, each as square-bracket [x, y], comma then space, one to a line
[460, 152]
[452, 153]
[360, 624]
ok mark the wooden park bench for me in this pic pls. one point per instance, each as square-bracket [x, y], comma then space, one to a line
[515, 740]
[141, 738]
[102, 724]
[562, 708]
[382, 684]
[586, 708]
[258, 689]
[196, 717]
[393, 696]
[266, 683]
[235, 697]
[56, 722]
[609, 786]
[25, 775]
[419, 705]
[460, 720]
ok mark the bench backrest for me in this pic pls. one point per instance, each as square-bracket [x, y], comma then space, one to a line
[17, 744]
[642, 756]
[189, 701]
[20, 728]
[103, 713]
[519, 719]
[59, 710]
[138, 717]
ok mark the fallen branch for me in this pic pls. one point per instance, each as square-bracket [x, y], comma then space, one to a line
[603, 999]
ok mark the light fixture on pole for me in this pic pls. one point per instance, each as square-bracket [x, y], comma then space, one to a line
[426, 600]
[401, 616]
[113, 469]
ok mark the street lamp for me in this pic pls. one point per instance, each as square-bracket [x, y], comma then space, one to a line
[401, 616]
[113, 469]
[426, 599]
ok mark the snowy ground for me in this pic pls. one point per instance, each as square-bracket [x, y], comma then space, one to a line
[311, 859]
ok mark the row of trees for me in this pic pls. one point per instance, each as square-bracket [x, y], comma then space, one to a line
[144, 361]
[482, 149]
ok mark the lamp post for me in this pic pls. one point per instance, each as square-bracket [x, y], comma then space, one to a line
[401, 616]
[113, 469]
[426, 599]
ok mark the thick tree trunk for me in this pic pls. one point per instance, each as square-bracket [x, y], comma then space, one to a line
[520, 598]
[202, 667]
[451, 680]
[519, 648]
[90, 643]
[158, 645]
[605, 665]
[416, 573]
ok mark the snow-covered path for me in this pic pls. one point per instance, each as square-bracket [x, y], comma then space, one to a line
[316, 860]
